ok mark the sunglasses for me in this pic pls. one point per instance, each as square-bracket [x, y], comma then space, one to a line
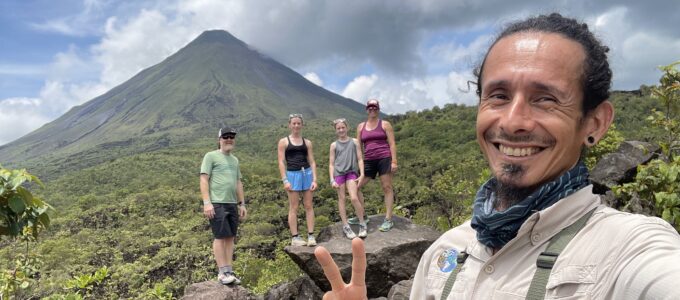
[295, 116]
[372, 107]
[229, 136]
[341, 120]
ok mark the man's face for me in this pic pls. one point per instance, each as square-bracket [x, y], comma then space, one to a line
[227, 141]
[529, 116]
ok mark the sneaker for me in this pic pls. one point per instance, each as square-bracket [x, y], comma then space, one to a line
[386, 225]
[311, 241]
[355, 220]
[228, 278]
[348, 232]
[362, 231]
[297, 241]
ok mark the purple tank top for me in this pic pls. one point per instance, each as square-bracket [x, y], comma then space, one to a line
[375, 142]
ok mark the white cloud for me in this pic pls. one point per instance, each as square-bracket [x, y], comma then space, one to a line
[21, 69]
[314, 78]
[359, 88]
[17, 117]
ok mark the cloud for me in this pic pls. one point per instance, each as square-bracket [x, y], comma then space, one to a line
[17, 116]
[635, 52]
[359, 88]
[21, 69]
[313, 78]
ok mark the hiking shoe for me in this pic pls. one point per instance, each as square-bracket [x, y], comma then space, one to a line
[311, 241]
[297, 241]
[362, 231]
[228, 278]
[386, 225]
[348, 232]
[355, 220]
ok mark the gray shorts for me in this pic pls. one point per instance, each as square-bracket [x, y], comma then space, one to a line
[225, 222]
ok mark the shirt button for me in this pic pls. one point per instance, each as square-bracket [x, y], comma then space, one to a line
[536, 237]
[488, 269]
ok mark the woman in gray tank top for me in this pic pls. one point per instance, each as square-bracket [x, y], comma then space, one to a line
[346, 169]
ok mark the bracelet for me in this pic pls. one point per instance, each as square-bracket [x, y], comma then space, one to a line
[285, 180]
[242, 203]
[206, 202]
[332, 181]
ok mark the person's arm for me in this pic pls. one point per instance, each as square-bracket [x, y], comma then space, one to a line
[312, 163]
[208, 210]
[331, 164]
[243, 213]
[390, 140]
[359, 127]
[282, 165]
[651, 268]
[356, 289]
[360, 160]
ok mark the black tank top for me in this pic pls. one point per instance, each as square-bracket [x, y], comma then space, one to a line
[296, 156]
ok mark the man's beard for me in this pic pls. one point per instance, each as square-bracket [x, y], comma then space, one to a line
[508, 193]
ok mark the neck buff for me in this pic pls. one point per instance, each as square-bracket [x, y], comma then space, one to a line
[497, 228]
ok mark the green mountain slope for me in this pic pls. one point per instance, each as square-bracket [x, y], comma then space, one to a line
[216, 79]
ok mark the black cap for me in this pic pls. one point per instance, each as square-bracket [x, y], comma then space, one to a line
[225, 130]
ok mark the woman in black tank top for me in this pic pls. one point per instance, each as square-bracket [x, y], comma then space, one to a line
[298, 174]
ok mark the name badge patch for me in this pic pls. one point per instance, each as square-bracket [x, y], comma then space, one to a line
[447, 261]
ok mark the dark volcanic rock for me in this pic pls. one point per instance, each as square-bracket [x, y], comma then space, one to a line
[401, 290]
[213, 290]
[391, 256]
[621, 166]
[302, 288]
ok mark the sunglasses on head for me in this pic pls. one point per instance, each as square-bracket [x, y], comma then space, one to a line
[341, 120]
[295, 116]
[228, 136]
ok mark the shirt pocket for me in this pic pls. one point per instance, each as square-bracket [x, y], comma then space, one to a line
[572, 282]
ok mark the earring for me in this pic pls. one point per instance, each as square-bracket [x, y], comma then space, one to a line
[591, 140]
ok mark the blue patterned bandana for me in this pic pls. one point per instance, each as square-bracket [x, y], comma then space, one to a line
[497, 228]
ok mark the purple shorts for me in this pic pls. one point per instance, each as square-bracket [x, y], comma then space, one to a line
[340, 180]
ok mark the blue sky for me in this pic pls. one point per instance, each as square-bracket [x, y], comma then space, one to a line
[412, 55]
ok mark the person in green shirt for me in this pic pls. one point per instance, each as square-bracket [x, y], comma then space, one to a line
[223, 201]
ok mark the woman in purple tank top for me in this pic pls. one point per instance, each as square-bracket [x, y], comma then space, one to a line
[376, 138]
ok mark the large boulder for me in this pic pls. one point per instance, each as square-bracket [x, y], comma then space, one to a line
[302, 288]
[213, 290]
[391, 256]
[401, 290]
[621, 166]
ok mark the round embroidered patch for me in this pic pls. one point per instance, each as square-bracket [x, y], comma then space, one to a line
[447, 260]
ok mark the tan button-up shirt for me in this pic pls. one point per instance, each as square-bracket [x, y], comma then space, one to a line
[616, 255]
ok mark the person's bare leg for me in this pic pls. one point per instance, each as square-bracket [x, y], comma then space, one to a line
[386, 183]
[293, 204]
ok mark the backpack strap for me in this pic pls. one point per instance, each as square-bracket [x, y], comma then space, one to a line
[546, 260]
[448, 286]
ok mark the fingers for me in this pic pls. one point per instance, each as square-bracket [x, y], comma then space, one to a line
[358, 262]
[330, 269]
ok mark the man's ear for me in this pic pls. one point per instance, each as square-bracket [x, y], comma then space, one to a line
[598, 122]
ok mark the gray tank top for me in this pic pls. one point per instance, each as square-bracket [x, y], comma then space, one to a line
[345, 158]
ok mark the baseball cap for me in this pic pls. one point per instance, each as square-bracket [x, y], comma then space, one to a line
[226, 130]
[373, 103]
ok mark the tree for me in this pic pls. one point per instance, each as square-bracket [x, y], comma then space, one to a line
[21, 215]
[659, 180]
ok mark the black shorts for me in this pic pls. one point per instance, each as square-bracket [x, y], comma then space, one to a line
[225, 222]
[380, 166]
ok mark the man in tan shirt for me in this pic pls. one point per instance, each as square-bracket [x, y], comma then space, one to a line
[543, 89]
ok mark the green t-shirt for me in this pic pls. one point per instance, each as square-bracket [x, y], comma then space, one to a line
[224, 173]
